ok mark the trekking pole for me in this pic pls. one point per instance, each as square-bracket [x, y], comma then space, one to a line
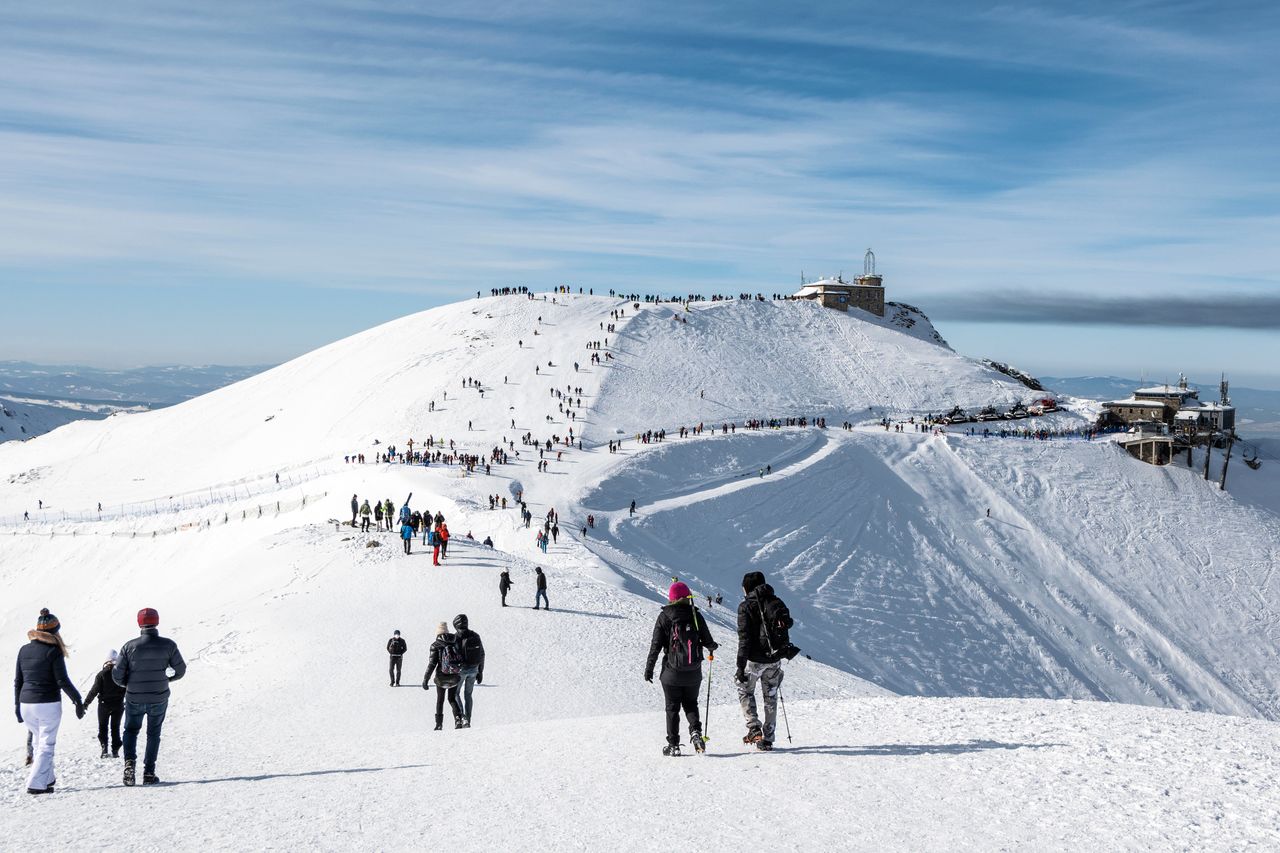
[706, 718]
[785, 721]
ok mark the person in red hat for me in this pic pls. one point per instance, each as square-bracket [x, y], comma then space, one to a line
[143, 670]
[680, 635]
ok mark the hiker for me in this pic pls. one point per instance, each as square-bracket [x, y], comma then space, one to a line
[443, 531]
[633, 507]
[110, 698]
[389, 512]
[406, 536]
[355, 510]
[41, 679]
[541, 596]
[377, 515]
[488, 541]
[396, 647]
[763, 642]
[364, 516]
[143, 671]
[679, 635]
[504, 585]
[472, 673]
[446, 663]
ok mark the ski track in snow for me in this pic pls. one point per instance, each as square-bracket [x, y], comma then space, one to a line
[1095, 578]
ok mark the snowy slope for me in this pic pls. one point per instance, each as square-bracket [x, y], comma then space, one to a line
[286, 732]
[22, 418]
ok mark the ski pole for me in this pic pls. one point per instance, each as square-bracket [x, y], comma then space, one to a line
[785, 721]
[706, 719]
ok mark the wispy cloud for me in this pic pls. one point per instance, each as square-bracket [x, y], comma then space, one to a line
[1225, 312]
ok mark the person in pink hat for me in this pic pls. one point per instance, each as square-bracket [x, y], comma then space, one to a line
[679, 636]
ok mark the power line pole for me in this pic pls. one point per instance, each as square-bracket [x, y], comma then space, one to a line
[1208, 451]
[1222, 486]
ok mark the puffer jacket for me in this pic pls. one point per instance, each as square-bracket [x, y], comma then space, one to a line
[42, 672]
[142, 667]
[105, 689]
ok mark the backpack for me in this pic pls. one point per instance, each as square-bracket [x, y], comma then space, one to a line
[684, 644]
[472, 649]
[450, 658]
[775, 626]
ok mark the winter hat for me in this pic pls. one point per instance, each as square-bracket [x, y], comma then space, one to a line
[396, 633]
[148, 617]
[678, 592]
[460, 621]
[47, 622]
[113, 656]
[751, 580]
[443, 629]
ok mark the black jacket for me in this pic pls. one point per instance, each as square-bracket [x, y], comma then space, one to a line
[433, 663]
[681, 611]
[105, 689]
[542, 581]
[142, 667]
[41, 673]
[752, 644]
[397, 646]
[472, 649]
[504, 582]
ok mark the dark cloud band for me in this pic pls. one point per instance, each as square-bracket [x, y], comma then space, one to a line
[1235, 311]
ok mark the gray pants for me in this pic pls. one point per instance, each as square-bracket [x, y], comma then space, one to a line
[465, 686]
[770, 677]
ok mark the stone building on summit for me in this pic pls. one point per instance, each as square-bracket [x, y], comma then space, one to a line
[865, 292]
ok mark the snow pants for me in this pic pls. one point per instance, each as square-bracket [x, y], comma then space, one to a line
[396, 661]
[42, 720]
[682, 696]
[109, 722]
[770, 677]
[133, 714]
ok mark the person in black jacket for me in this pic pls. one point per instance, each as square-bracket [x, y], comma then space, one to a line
[472, 650]
[396, 647]
[110, 698]
[540, 597]
[446, 663]
[39, 680]
[504, 585]
[679, 635]
[143, 670]
[759, 659]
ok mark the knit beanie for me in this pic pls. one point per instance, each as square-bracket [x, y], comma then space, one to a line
[148, 617]
[460, 621]
[678, 592]
[442, 629]
[751, 580]
[113, 656]
[47, 622]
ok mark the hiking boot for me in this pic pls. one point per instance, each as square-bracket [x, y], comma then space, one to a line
[130, 767]
[672, 749]
[457, 722]
[104, 750]
[40, 790]
[115, 753]
[439, 722]
[699, 745]
[30, 760]
[764, 745]
[753, 735]
[150, 779]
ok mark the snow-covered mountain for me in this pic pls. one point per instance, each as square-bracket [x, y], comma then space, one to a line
[1093, 577]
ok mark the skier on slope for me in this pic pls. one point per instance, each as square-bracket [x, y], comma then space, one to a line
[764, 642]
[679, 635]
[472, 665]
[446, 663]
[504, 585]
[110, 698]
[396, 647]
[40, 680]
[143, 671]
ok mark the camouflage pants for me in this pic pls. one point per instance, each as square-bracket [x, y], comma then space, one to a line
[770, 677]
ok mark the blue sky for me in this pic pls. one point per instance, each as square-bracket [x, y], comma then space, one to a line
[243, 181]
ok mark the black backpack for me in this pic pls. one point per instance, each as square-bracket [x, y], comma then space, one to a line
[684, 644]
[472, 649]
[775, 627]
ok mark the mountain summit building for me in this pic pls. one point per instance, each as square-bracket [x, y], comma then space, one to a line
[865, 292]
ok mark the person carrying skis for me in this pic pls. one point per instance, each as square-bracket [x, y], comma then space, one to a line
[472, 665]
[110, 698]
[541, 596]
[764, 642]
[406, 535]
[364, 516]
[679, 635]
[446, 663]
[396, 647]
[143, 671]
[41, 679]
[504, 585]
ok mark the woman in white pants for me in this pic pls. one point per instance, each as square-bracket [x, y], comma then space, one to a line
[41, 679]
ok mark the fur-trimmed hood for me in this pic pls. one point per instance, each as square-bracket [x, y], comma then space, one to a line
[49, 639]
